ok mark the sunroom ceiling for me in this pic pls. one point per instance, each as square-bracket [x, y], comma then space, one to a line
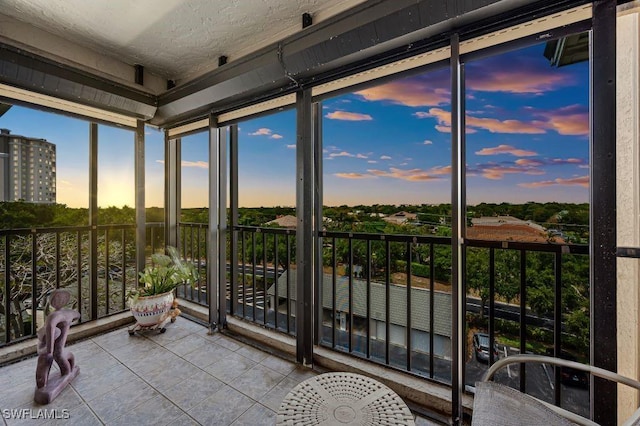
[175, 39]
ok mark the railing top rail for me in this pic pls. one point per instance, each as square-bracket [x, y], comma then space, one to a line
[266, 229]
[83, 228]
[403, 238]
[544, 247]
[194, 224]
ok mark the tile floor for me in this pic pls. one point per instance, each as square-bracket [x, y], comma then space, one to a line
[183, 376]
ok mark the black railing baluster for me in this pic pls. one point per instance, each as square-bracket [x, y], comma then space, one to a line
[523, 316]
[492, 302]
[79, 271]
[7, 288]
[244, 275]
[350, 333]
[253, 275]
[201, 284]
[153, 241]
[34, 282]
[264, 279]
[276, 295]
[107, 269]
[408, 289]
[333, 293]
[288, 282]
[57, 259]
[190, 259]
[557, 326]
[387, 316]
[198, 264]
[432, 275]
[123, 269]
[368, 299]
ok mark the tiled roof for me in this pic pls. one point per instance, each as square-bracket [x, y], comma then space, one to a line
[287, 221]
[398, 296]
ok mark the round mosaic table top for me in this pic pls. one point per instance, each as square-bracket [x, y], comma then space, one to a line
[343, 398]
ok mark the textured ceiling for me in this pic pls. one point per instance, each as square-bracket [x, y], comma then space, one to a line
[173, 38]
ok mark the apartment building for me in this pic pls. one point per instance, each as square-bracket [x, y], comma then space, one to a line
[27, 169]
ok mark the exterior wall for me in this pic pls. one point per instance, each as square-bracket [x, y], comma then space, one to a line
[27, 169]
[628, 203]
[4, 165]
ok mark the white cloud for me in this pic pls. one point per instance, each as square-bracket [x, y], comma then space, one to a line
[385, 157]
[263, 131]
[341, 154]
[427, 142]
[292, 146]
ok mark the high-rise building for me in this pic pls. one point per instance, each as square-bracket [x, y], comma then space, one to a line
[27, 169]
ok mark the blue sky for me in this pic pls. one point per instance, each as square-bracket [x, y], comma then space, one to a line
[527, 140]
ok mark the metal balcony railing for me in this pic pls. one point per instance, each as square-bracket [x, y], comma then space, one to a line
[33, 262]
[193, 248]
[261, 278]
[385, 298]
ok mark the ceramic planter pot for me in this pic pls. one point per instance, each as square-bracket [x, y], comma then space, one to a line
[151, 310]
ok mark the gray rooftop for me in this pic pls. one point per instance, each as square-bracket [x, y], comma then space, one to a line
[420, 309]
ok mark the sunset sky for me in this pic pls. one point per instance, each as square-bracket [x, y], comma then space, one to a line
[527, 140]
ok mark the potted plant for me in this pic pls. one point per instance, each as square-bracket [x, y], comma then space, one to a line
[151, 302]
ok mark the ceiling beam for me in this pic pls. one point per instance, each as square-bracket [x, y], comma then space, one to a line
[362, 37]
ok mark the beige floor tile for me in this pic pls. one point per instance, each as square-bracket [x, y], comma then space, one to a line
[122, 399]
[274, 397]
[257, 382]
[228, 369]
[255, 416]
[155, 411]
[189, 393]
[222, 408]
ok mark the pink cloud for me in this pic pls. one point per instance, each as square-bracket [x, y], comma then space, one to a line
[493, 125]
[567, 161]
[570, 120]
[520, 81]
[276, 136]
[506, 149]
[506, 126]
[372, 161]
[575, 181]
[411, 92]
[362, 156]
[292, 146]
[525, 162]
[440, 170]
[411, 175]
[353, 176]
[348, 116]
[497, 172]
[520, 75]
